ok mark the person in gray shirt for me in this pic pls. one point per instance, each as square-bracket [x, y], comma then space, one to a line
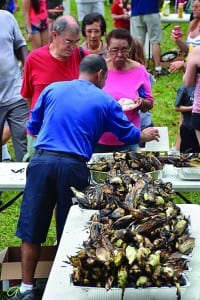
[13, 107]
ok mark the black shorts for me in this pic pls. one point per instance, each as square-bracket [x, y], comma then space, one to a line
[189, 142]
[196, 121]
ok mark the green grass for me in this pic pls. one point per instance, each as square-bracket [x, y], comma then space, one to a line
[163, 115]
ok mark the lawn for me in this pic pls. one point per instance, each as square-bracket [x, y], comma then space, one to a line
[164, 91]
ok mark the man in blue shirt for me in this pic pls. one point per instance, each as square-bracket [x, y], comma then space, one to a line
[69, 119]
[145, 19]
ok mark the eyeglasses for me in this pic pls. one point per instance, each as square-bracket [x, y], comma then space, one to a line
[115, 51]
[71, 42]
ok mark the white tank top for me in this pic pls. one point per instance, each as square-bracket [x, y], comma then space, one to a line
[193, 42]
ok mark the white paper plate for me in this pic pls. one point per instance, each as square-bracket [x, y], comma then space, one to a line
[128, 104]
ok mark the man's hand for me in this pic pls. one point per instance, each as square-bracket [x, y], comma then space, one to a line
[149, 134]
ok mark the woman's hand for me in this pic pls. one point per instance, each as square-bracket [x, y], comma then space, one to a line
[139, 101]
[176, 65]
[175, 37]
[144, 104]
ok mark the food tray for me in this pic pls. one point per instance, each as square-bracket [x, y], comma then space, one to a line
[98, 177]
[98, 156]
[190, 173]
[130, 293]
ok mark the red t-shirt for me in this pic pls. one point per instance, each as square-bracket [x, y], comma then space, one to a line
[41, 69]
[117, 9]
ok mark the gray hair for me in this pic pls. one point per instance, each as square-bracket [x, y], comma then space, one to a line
[63, 24]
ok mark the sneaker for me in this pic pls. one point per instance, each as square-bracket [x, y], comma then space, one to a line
[13, 293]
[162, 72]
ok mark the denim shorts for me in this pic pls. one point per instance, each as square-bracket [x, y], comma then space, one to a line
[37, 29]
[49, 178]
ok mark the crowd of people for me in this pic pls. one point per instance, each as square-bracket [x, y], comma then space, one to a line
[65, 101]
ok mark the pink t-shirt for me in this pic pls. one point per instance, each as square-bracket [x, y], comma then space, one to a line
[196, 103]
[39, 19]
[125, 84]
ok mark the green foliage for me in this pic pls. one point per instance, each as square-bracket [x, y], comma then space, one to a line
[164, 91]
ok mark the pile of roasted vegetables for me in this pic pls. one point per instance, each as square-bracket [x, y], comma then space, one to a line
[144, 161]
[138, 238]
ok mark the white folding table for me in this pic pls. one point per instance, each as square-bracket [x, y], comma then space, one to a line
[174, 19]
[59, 285]
[12, 178]
[170, 174]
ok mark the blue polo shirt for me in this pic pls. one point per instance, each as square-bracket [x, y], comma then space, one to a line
[144, 7]
[70, 117]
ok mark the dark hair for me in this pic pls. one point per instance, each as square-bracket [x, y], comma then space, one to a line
[61, 25]
[92, 64]
[90, 19]
[36, 6]
[119, 33]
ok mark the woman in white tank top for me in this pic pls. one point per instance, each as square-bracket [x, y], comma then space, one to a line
[193, 37]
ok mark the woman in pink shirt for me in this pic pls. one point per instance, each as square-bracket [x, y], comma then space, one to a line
[36, 22]
[125, 78]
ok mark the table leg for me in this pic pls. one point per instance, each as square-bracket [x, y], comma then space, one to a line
[164, 27]
[10, 202]
[184, 198]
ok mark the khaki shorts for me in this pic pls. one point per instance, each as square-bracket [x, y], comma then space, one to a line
[30, 148]
[151, 24]
[90, 7]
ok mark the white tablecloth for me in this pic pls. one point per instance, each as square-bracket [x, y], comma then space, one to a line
[60, 287]
[173, 18]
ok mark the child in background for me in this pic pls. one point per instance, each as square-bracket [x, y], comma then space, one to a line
[183, 104]
[137, 53]
[36, 22]
[120, 10]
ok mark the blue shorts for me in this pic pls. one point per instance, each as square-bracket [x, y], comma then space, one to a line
[49, 178]
[37, 29]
